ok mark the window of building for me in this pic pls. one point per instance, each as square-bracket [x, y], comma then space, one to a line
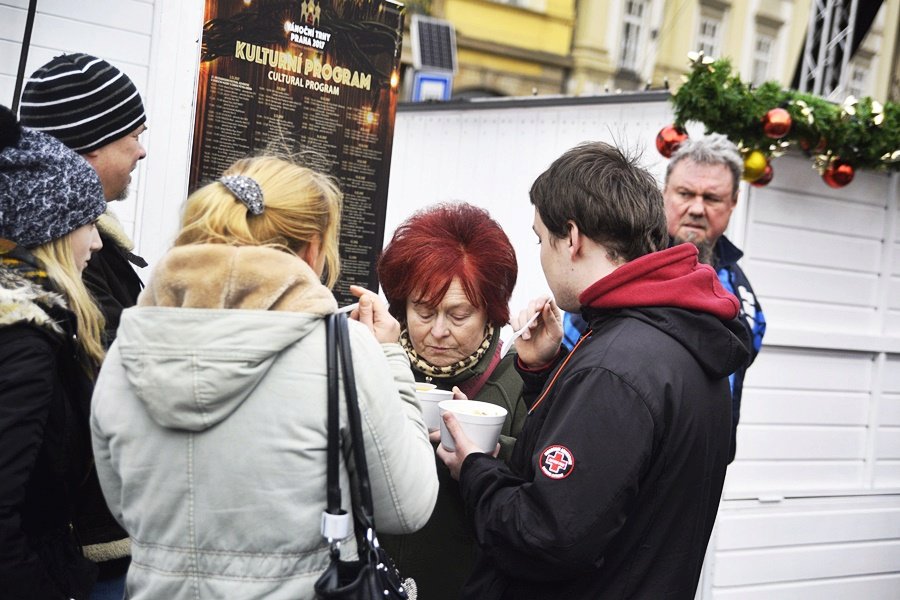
[635, 15]
[763, 52]
[710, 34]
[858, 79]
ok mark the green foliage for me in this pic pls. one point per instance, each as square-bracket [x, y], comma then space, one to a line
[861, 132]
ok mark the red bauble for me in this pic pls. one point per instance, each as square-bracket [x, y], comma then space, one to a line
[765, 178]
[776, 123]
[839, 173]
[669, 138]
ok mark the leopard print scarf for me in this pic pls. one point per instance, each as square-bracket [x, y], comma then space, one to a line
[430, 370]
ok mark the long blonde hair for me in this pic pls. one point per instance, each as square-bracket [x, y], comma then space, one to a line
[59, 262]
[300, 205]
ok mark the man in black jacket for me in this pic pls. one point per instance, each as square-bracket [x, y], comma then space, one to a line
[613, 486]
[96, 110]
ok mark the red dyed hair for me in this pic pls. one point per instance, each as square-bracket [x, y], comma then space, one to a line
[444, 241]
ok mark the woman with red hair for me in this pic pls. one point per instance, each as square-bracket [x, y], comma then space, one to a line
[448, 274]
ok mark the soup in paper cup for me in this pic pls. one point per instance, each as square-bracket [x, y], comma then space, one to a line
[481, 422]
[428, 400]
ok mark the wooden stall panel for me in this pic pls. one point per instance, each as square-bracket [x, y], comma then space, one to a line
[754, 478]
[804, 407]
[765, 566]
[853, 215]
[888, 443]
[887, 474]
[891, 378]
[892, 316]
[785, 442]
[815, 286]
[779, 243]
[873, 587]
[889, 410]
[810, 370]
[795, 525]
[795, 177]
[807, 549]
[802, 314]
[804, 424]
[887, 452]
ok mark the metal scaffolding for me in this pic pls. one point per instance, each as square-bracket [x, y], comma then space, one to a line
[826, 56]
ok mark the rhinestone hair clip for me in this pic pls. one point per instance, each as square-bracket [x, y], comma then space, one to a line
[246, 190]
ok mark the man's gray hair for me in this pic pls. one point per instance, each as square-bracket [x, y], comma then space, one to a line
[713, 149]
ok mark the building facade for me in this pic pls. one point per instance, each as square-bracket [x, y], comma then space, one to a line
[507, 48]
[586, 47]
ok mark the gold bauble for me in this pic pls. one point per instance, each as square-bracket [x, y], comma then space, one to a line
[754, 165]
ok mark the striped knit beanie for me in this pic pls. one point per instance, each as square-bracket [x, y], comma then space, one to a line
[83, 101]
[46, 189]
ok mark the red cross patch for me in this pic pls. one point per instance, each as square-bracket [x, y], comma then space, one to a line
[557, 462]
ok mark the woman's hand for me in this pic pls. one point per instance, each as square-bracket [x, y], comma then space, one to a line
[373, 313]
[539, 343]
[435, 436]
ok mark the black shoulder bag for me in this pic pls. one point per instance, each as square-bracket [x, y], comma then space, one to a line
[373, 575]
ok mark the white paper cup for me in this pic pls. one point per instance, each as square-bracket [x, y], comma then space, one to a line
[429, 400]
[480, 421]
[421, 386]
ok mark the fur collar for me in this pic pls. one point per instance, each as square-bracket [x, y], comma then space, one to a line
[108, 224]
[24, 301]
[247, 277]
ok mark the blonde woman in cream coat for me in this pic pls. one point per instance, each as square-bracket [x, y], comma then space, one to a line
[209, 415]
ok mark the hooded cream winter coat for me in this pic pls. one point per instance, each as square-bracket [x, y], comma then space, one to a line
[209, 428]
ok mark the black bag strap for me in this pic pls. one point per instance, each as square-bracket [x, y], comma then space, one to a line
[355, 419]
[338, 345]
[334, 441]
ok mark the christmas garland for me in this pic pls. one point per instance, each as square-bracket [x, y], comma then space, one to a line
[764, 122]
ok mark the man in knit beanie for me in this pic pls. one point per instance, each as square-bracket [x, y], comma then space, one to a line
[96, 110]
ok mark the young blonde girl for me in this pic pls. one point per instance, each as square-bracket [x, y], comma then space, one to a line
[50, 351]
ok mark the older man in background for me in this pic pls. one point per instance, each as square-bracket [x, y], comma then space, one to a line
[96, 110]
[700, 194]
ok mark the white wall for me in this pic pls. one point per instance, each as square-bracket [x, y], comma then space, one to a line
[156, 43]
[120, 32]
[490, 157]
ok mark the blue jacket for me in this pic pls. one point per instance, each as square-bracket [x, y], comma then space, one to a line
[726, 255]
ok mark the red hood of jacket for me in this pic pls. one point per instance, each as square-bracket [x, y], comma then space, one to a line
[670, 277]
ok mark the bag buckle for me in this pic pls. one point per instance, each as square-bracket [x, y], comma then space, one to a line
[336, 528]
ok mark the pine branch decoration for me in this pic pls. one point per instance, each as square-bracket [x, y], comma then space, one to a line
[862, 132]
